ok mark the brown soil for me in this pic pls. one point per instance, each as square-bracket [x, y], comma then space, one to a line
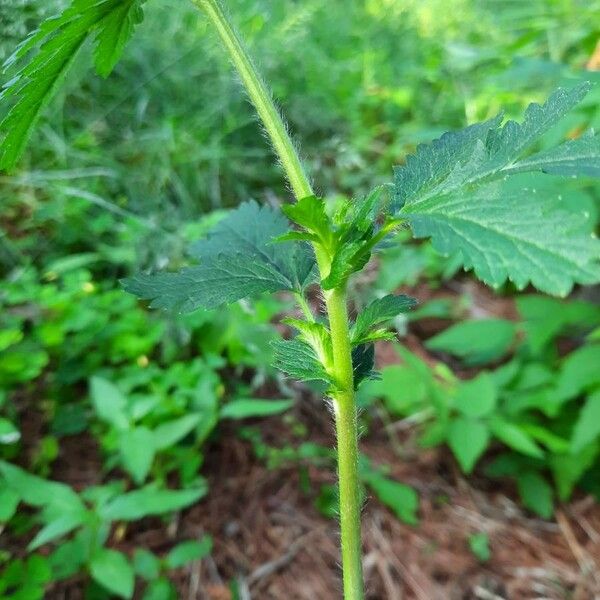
[271, 539]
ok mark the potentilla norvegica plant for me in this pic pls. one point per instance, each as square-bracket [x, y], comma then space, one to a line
[481, 194]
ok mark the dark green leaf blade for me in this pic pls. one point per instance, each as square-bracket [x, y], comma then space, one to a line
[379, 311]
[223, 280]
[468, 192]
[579, 157]
[250, 230]
[516, 229]
[298, 360]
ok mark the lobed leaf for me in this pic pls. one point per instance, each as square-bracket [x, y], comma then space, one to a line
[474, 194]
[109, 22]
[238, 259]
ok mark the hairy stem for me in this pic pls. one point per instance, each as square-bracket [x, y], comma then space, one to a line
[347, 445]
[335, 300]
[260, 97]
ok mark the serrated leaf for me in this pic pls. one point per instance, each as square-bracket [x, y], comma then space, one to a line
[318, 337]
[574, 157]
[238, 259]
[109, 22]
[310, 214]
[379, 311]
[464, 192]
[297, 359]
[116, 28]
[112, 571]
[348, 258]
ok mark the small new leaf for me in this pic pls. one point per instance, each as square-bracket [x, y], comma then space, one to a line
[475, 195]
[379, 311]
[318, 337]
[109, 22]
[297, 359]
[310, 214]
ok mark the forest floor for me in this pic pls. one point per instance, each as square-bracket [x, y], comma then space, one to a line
[270, 537]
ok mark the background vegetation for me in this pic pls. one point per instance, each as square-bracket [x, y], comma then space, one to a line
[124, 174]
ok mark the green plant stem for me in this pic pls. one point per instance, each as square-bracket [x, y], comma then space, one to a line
[335, 300]
[260, 97]
[347, 444]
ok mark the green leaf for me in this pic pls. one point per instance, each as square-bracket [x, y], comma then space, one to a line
[468, 440]
[348, 258]
[38, 491]
[310, 214]
[9, 501]
[379, 311]
[169, 433]
[567, 469]
[579, 372]
[471, 195]
[317, 336]
[574, 157]
[476, 397]
[109, 22]
[544, 318]
[116, 30]
[587, 428]
[146, 564]
[112, 571]
[187, 552]
[57, 528]
[514, 437]
[476, 342]
[109, 402]
[536, 493]
[149, 501]
[9, 434]
[238, 259]
[400, 498]
[297, 359]
[161, 589]
[252, 407]
[479, 543]
[137, 452]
